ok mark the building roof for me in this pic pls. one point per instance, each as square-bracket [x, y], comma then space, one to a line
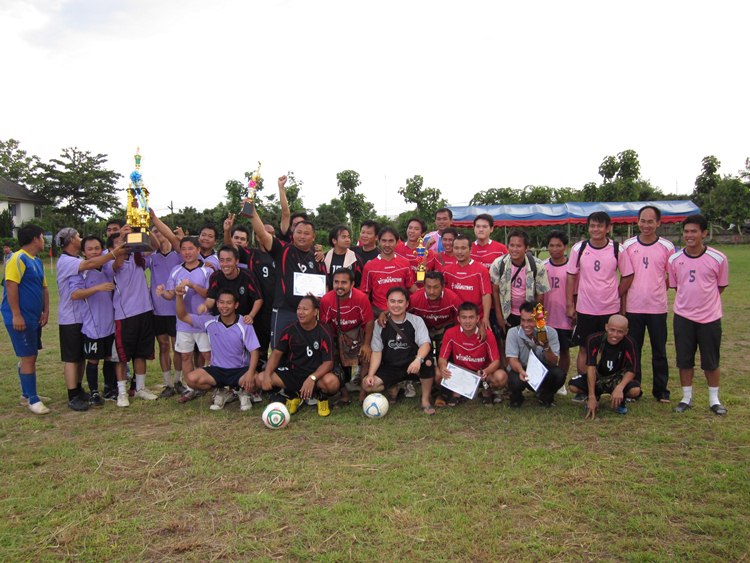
[14, 192]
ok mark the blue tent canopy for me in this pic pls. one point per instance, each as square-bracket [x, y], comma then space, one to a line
[541, 214]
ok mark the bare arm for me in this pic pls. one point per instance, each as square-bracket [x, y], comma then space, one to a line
[164, 230]
[45, 308]
[286, 215]
[570, 296]
[264, 238]
[11, 289]
[182, 313]
[228, 224]
[79, 294]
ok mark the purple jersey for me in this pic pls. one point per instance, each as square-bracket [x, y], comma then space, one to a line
[68, 310]
[97, 312]
[161, 265]
[212, 259]
[131, 296]
[230, 345]
[198, 276]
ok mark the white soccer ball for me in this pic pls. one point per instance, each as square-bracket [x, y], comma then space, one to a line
[375, 405]
[276, 416]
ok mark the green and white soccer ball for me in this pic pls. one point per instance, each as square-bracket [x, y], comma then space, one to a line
[276, 416]
[375, 405]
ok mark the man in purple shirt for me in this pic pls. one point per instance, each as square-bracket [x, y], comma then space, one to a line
[69, 312]
[234, 349]
[134, 314]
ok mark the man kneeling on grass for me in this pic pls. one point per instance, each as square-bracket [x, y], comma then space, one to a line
[400, 351]
[610, 367]
[234, 350]
[301, 365]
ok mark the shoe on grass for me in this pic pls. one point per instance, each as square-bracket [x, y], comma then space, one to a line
[579, 398]
[123, 399]
[96, 399]
[682, 407]
[220, 399]
[146, 395]
[292, 405]
[409, 391]
[78, 404]
[323, 408]
[24, 401]
[167, 392]
[255, 397]
[39, 408]
[246, 400]
[719, 409]
[180, 388]
[622, 409]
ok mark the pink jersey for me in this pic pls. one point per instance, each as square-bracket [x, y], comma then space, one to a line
[517, 287]
[597, 277]
[380, 275]
[467, 351]
[555, 300]
[469, 282]
[488, 253]
[648, 292]
[698, 279]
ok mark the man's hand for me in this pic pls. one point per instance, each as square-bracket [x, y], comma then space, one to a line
[202, 309]
[44, 318]
[523, 376]
[247, 319]
[229, 222]
[368, 381]
[319, 256]
[617, 397]
[445, 373]
[18, 323]
[570, 310]
[247, 382]
[106, 286]
[591, 405]
[180, 233]
[382, 318]
[364, 353]
[482, 333]
[282, 182]
[414, 366]
[160, 290]
[307, 389]
[486, 323]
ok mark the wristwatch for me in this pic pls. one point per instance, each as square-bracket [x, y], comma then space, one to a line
[313, 378]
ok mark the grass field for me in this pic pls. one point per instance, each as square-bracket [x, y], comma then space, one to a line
[179, 482]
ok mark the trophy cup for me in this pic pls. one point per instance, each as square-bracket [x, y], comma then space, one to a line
[137, 215]
[540, 316]
[421, 253]
[248, 205]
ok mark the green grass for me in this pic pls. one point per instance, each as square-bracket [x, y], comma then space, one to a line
[179, 482]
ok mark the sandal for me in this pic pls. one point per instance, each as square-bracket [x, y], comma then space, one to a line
[428, 409]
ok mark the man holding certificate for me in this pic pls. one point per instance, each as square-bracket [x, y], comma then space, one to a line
[531, 363]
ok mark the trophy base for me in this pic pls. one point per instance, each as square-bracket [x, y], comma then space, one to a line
[248, 209]
[138, 242]
[420, 275]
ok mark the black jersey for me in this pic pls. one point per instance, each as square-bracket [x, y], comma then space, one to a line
[245, 286]
[365, 255]
[263, 267]
[304, 350]
[289, 260]
[610, 359]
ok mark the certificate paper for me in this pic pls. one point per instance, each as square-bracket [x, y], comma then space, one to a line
[309, 283]
[461, 381]
[535, 371]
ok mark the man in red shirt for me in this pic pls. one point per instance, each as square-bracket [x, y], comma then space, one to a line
[470, 280]
[415, 228]
[484, 249]
[386, 271]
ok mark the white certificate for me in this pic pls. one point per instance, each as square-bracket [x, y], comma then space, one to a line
[461, 381]
[314, 284]
[535, 371]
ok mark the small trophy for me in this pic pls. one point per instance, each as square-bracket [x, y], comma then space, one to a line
[137, 215]
[540, 316]
[421, 253]
[248, 205]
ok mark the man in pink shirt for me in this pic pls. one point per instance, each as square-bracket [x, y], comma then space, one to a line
[594, 265]
[556, 300]
[700, 274]
[485, 250]
[646, 300]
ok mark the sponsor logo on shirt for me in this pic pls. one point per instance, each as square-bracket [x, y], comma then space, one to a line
[467, 358]
[463, 286]
[398, 345]
[381, 281]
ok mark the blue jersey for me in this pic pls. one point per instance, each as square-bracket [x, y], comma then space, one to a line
[28, 272]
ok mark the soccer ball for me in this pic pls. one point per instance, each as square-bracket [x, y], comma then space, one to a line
[375, 405]
[276, 416]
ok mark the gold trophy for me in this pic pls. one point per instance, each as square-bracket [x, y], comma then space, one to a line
[137, 215]
[421, 253]
[248, 204]
[540, 316]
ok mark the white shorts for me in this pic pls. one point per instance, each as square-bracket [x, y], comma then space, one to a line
[186, 342]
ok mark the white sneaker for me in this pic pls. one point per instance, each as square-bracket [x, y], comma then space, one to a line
[231, 396]
[146, 395]
[562, 390]
[122, 399]
[24, 402]
[246, 400]
[311, 402]
[38, 408]
[409, 390]
[220, 399]
[256, 397]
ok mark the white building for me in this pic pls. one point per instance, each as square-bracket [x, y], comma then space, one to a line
[23, 204]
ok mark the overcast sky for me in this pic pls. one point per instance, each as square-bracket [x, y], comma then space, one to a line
[471, 95]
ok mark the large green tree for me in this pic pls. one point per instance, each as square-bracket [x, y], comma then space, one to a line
[427, 200]
[17, 165]
[356, 207]
[705, 183]
[730, 202]
[79, 185]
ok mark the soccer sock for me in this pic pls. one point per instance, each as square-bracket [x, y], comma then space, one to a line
[72, 393]
[166, 377]
[140, 381]
[713, 396]
[28, 386]
[687, 394]
[122, 387]
[92, 376]
[177, 375]
[110, 378]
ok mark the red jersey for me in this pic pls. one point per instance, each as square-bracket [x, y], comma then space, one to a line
[380, 275]
[488, 253]
[437, 313]
[466, 350]
[410, 254]
[469, 282]
[351, 311]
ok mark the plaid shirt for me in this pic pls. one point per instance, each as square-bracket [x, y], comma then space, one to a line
[534, 286]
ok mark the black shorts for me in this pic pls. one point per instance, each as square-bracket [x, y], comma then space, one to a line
[134, 337]
[564, 336]
[690, 336]
[165, 324]
[587, 325]
[226, 377]
[71, 343]
[392, 375]
[605, 386]
[292, 380]
[98, 348]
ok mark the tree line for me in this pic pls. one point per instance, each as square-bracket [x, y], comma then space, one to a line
[82, 192]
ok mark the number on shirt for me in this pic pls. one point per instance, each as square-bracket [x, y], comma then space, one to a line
[555, 282]
[597, 265]
[302, 267]
[264, 269]
[309, 352]
[645, 262]
[691, 277]
[518, 283]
